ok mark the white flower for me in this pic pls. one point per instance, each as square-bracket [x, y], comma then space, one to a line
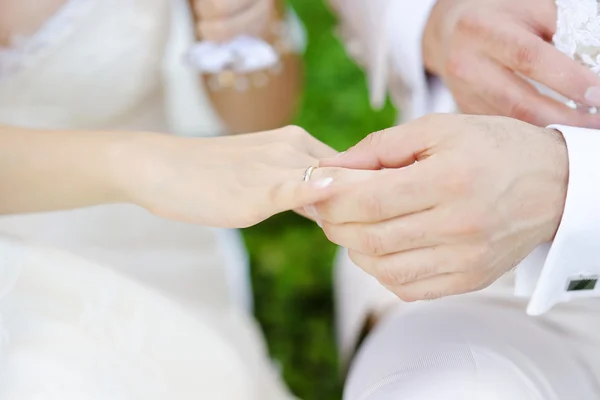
[242, 54]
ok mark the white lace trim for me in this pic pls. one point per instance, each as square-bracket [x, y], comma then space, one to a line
[578, 31]
[23, 50]
[242, 55]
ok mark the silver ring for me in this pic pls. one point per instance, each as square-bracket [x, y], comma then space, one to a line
[308, 173]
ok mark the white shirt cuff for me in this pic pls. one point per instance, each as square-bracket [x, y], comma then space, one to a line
[569, 268]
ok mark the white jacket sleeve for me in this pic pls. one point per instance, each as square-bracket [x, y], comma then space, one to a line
[385, 37]
[569, 268]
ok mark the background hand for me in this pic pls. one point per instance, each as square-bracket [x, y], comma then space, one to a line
[484, 193]
[479, 47]
[234, 181]
[222, 20]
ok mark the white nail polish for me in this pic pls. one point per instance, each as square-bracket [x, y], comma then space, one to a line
[312, 212]
[322, 183]
[593, 96]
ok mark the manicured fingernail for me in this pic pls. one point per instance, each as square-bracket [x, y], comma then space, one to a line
[322, 183]
[312, 212]
[592, 95]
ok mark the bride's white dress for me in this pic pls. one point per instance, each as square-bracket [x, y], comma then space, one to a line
[131, 306]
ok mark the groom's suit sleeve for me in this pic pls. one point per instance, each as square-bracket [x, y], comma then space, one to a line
[385, 37]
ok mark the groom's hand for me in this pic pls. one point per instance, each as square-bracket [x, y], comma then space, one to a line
[479, 47]
[457, 202]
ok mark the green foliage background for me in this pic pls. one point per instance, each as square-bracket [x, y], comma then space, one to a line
[291, 258]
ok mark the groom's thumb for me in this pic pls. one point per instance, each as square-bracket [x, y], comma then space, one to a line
[395, 147]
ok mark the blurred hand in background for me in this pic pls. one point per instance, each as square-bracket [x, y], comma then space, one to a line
[222, 20]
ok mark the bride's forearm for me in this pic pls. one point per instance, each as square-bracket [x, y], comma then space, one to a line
[53, 170]
[225, 182]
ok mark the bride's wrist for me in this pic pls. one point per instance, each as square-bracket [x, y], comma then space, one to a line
[134, 160]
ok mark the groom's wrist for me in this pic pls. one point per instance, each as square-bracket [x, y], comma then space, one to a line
[554, 154]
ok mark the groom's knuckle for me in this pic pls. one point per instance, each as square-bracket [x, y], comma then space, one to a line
[435, 294]
[407, 295]
[456, 66]
[521, 111]
[406, 275]
[370, 205]
[469, 223]
[473, 23]
[459, 181]
[374, 140]
[525, 57]
[370, 241]
[477, 260]
[387, 274]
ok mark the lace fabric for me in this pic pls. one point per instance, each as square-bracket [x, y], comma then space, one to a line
[577, 36]
[578, 31]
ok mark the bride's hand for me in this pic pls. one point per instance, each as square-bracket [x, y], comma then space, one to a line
[221, 20]
[234, 181]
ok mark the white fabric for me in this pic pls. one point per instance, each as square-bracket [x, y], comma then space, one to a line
[462, 350]
[364, 32]
[75, 330]
[574, 252]
[114, 64]
[385, 37]
[184, 92]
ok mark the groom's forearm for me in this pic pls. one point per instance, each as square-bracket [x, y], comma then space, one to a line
[53, 170]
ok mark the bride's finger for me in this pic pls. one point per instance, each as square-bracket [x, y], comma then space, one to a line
[296, 194]
[344, 179]
[291, 192]
[516, 98]
[527, 53]
[343, 176]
